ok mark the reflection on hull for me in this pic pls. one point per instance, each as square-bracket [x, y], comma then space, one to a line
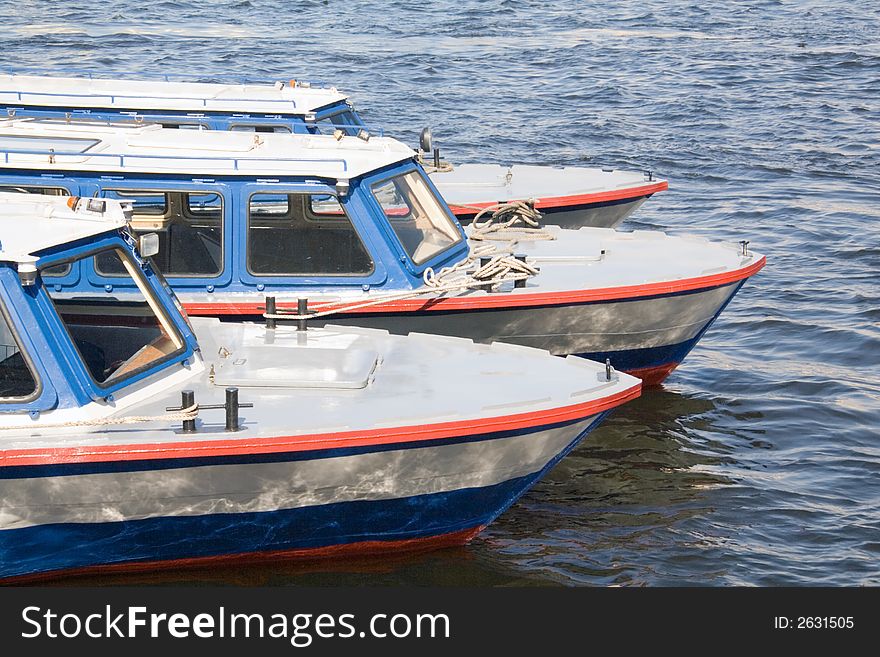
[159, 513]
[646, 337]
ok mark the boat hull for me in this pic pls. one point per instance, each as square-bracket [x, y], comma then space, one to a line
[570, 197]
[646, 336]
[574, 215]
[174, 512]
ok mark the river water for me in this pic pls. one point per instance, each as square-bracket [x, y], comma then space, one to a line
[758, 462]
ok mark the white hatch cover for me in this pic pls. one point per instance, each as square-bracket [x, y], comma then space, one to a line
[273, 366]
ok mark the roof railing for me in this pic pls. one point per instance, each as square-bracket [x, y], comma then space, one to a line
[122, 159]
[165, 77]
[74, 117]
[276, 103]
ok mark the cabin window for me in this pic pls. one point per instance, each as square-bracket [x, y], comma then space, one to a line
[175, 125]
[344, 120]
[17, 381]
[35, 189]
[285, 240]
[242, 127]
[416, 215]
[119, 339]
[189, 226]
[57, 271]
[324, 206]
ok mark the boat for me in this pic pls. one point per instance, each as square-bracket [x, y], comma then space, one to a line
[570, 197]
[355, 228]
[135, 438]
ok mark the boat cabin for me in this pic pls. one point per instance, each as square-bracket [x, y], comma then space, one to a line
[235, 212]
[60, 350]
[291, 106]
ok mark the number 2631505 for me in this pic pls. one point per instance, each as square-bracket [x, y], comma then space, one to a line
[814, 622]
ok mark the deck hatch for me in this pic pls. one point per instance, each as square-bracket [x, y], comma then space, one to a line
[298, 367]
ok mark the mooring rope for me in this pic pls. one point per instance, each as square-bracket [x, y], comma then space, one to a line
[501, 268]
[432, 278]
[412, 294]
[189, 413]
[445, 167]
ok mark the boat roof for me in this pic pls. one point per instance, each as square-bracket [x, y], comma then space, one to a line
[84, 145]
[288, 97]
[50, 222]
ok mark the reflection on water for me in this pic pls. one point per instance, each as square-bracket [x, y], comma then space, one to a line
[601, 515]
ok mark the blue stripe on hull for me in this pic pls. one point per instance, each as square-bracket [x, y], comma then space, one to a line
[71, 546]
[72, 469]
[59, 547]
[637, 359]
[650, 357]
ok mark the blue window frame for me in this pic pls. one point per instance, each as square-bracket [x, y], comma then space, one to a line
[193, 221]
[34, 352]
[108, 356]
[406, 247]
[19, 382]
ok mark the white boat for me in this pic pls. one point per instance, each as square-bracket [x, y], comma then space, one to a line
[133, 438]
[354, 226]
[569, 196]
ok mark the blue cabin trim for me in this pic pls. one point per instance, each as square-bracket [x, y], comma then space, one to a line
[16, 305]
[70, 363]
[449, 256]
[212, 120]
[393, 268]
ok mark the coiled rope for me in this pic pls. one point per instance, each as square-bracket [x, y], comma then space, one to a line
[513, 221]
[430, 167]
[500, 268]
[445, 167]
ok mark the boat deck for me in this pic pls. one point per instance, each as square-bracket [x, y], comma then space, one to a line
[496, 387]
[479, 183]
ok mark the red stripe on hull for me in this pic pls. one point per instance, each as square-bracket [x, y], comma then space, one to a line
[653, 376]
[575, 200]
[348, 550]
[506, 301]
[313, 442]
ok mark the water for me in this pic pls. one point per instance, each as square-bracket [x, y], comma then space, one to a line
[758, 462]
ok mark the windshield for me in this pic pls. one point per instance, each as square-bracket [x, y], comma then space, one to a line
[416, 215]
[118, 339]
[345, 120]
[16, 379]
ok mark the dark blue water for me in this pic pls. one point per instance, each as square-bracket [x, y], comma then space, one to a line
[759, 460]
